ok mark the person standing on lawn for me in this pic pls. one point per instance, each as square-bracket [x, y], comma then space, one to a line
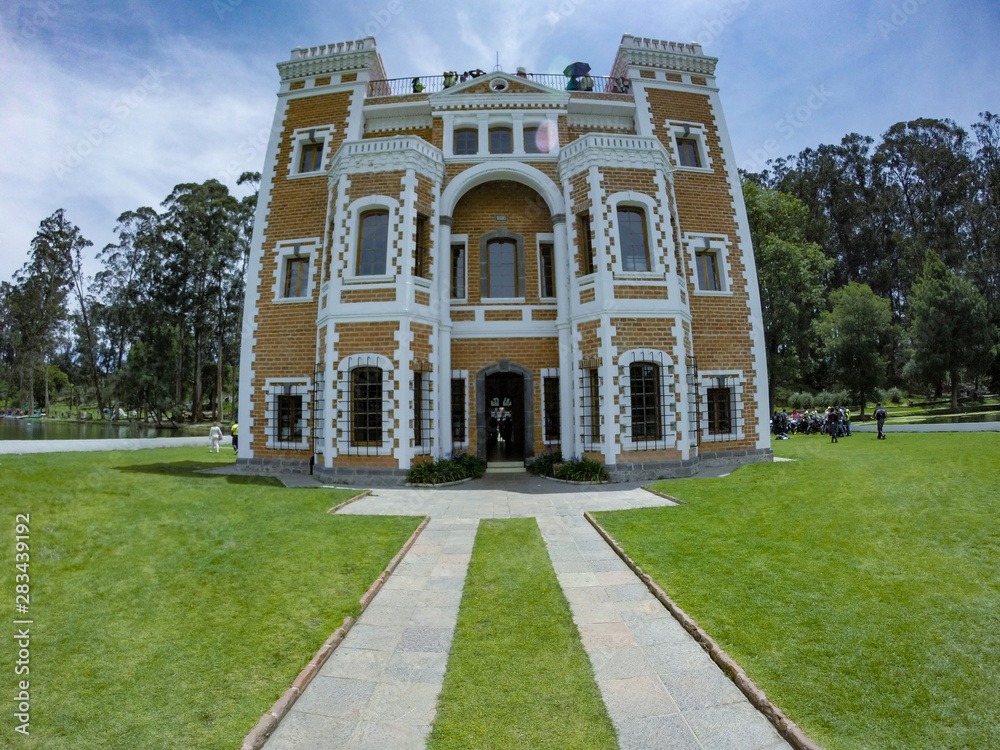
[215, 436]
[235, 430]
[833, 423]
[880, 415]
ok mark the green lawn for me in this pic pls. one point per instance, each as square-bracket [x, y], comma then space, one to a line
[518, 676]
[859, 586]
[170, 608]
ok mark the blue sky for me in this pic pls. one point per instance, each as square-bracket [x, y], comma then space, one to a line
[106, 105]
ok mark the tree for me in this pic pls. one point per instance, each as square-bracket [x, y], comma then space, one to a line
[950, 333]
[791, 273]
[856, 333]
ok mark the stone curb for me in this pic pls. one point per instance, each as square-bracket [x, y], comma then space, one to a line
[360, 495]
[567, 481]
[785, 726]
[664, 495]
[442, 484]
[269, 722]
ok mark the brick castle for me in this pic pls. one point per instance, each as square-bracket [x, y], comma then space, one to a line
[504, 264]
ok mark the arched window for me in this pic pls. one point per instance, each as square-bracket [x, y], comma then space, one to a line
[373, 242]
[632, 235]
[366, 406]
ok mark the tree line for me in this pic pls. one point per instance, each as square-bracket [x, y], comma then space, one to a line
[155, 331]
[879, 262]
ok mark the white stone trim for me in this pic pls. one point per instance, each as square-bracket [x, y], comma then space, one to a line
[254, 282]
[501, 168]
[300, 138]
[345, 396]
[309, 247]
[668, 412]
[719, 245]
[709, 379]
[696, 132]
[483, 122]
[274, 387]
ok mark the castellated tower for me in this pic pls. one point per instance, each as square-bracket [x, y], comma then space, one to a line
[501, 264]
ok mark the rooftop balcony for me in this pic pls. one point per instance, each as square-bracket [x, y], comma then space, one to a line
[433, 84]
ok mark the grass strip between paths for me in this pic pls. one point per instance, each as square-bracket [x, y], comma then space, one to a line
[172, 608]
[518, 676]
[859, 587]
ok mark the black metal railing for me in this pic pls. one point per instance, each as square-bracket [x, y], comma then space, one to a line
[432, 84]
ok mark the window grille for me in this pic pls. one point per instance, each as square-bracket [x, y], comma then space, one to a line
[458, 421]
[550, 408]
[422, 427]
[287, 413]
[590, 405]
[319, 410]
[647, 401]
[694, 418]
[422, 264]
[722, 419]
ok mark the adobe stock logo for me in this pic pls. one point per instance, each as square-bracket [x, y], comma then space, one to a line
[794, 120]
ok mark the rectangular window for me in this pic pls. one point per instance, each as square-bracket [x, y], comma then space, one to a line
[547, 270]
[373, 243]
[532, 144]
[458, 271]
[366, 406]
[458, 411]
[501, 269]
[419, 413]
[296, 276]
[644, 382]
[501, 141]
[594, 407]
[289, 416]
[707, 268]
[632, 234]
[586, 244]
[466, 141]
[311, 158]
[688, 154]
[719, 411]
[550, 409]
[423, 252]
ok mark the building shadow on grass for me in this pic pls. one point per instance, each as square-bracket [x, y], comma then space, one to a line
[199, 470]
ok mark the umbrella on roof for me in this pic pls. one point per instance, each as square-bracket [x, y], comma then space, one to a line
[576, 70]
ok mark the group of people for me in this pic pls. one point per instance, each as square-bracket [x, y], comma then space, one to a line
[215, 437]
[835, 422]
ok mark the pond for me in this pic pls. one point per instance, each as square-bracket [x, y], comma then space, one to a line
[45, 429]
[982, 416]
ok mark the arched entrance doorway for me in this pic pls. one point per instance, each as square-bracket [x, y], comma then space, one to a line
[505, 417]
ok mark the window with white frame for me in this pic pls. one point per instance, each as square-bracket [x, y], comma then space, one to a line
[422, 415]
[546, 266]
[590, 404]
[287, 412]
[501, 265]
[648, 418]
[500, 134]
[636, 253]
[364, 398]
[707, 255]
[459, 272]
[690, 146]
[721, 405]
[310, 149]
[373, 222]
[294, 269]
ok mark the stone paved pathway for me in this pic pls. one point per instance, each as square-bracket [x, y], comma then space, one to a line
[379, 688]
